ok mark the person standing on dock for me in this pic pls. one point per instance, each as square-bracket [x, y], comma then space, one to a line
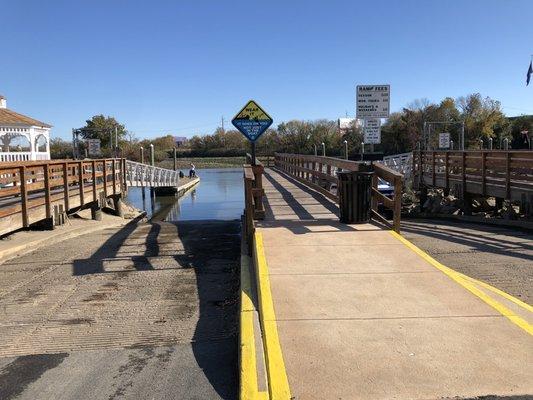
[192, 171]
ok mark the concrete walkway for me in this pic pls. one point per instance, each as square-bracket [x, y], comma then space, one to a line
[360, 315]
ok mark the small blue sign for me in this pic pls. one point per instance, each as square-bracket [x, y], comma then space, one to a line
[252, 121]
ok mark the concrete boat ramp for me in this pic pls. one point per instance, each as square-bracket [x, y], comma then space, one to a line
[361, 313]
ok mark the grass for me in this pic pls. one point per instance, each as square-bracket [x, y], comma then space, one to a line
[204, 162]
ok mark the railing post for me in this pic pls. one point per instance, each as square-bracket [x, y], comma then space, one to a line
[93, 166]
[24, 197]
[104, 176]
[80, 183]
[47, 199]
[508, 175]
[397, 205]
[65, 187]
[483, 173]
[113, 167]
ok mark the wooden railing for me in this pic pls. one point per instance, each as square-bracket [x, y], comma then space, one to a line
[320, 173]
[499, 173]
[30, 191]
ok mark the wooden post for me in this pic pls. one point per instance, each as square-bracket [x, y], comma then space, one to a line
[93, 166]
[47, 199]
[374, 200]
[65, 187]
[433, 168]
[397, 205]
[483, 173]
[104, 172]
[508, 175]
[24, 197]
[80, 183]
[447, 170]
[113, 167]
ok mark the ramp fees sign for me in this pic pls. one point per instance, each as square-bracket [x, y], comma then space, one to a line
[372, 131]
[373, 101]
[252, 121]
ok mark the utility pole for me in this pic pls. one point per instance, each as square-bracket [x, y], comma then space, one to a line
[222, 120]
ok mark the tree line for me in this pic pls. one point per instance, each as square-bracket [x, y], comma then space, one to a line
[482, 117]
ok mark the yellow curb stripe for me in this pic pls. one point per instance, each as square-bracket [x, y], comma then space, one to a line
[278, 384]
[505, 295]
[467, 284]
[248, 387]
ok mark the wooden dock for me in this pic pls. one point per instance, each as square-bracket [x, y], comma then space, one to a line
[356, 311]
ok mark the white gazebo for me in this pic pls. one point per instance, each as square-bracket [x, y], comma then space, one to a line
[22, 138]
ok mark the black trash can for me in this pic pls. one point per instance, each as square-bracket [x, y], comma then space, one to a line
[354, 196]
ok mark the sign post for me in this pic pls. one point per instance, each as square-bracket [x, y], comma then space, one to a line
[252, 121]
[444, 140]
[373, 101]
[93, 147]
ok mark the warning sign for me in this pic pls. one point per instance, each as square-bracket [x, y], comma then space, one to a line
[252, 121]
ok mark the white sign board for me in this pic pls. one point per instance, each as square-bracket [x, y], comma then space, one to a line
[346, 123]
[444, 140]
[372, 131]
[373, 101]
[93, 147]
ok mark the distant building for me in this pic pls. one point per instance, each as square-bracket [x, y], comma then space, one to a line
[22, 138]
[345, 124]
[180, 140]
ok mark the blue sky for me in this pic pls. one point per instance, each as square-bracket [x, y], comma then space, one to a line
[178, 66]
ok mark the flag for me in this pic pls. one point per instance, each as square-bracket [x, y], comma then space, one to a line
[529, 72]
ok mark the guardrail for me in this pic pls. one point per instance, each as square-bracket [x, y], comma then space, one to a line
[320, 173]
[498, 173]
[138, 174]
[30, 191]
[402, 163]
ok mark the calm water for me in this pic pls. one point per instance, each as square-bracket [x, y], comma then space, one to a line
[219, 195]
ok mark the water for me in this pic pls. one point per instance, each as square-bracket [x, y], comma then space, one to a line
[218, 196]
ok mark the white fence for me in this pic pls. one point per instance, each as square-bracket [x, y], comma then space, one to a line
[23, 156]
[138, 174]
[402, 163]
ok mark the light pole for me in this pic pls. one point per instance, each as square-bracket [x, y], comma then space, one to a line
[315, 150]
[152, 156]
[346, 149]
[490, 143]
[323, 149]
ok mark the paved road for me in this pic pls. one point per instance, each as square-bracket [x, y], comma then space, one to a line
[148, 312]
[500, 256]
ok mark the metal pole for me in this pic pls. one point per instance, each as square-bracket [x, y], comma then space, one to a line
[323, 149]
[451, 144]
[175, 159]
[316, 153]
[142, 155]
[490, 143]
[506, 144]
[362, 148]
[346, 149]
[253, 153]
[152, 157]
[480, 144]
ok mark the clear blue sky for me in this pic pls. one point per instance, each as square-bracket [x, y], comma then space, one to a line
[178, 66]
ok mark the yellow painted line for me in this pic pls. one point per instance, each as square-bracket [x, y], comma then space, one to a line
[248, 387]
[469, 285]
[278, 384]
[505, 295]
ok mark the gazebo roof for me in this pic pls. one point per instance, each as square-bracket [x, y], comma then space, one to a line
[9, 117]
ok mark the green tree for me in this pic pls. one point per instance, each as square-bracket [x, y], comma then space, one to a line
[103, 128]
